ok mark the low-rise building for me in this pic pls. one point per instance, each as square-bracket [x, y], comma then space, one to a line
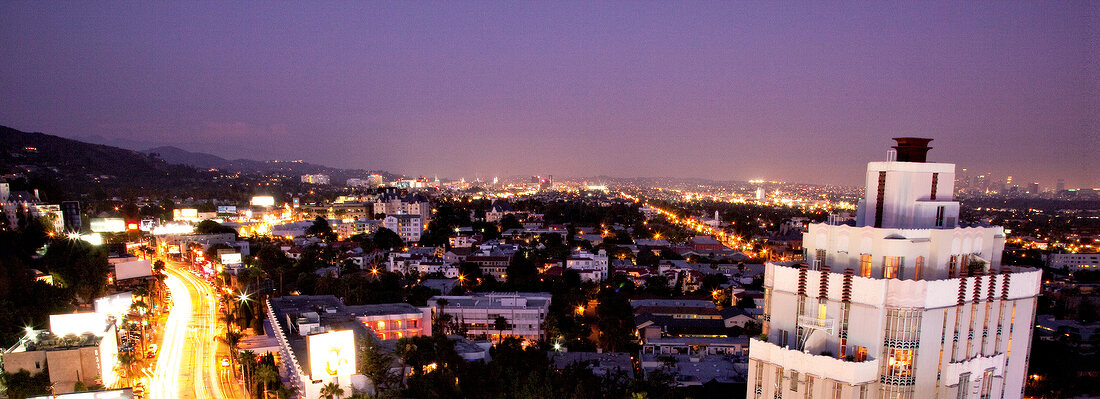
[523, 312]
[1074, 262]
[393, 320]
[89, 358]
[591, 267]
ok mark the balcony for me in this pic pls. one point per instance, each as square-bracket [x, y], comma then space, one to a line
[850, 372]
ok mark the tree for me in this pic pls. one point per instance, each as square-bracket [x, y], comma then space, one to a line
[212, 227]
[387, 239]
[232, 339]
[248, 367]
[321, 229]
[266, 374]
[501, 324]
[332, 390]
[127, 360]
[375, 364]
[78, 266]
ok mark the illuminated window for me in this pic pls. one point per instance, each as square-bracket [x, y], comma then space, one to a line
[892, 266]
[953, 267]
[899, 362]
[381, 325]
[918, 273]
[865, 265]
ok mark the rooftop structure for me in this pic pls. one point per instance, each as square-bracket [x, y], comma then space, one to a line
[907, 303]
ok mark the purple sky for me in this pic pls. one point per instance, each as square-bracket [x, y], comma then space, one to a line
[724, 90]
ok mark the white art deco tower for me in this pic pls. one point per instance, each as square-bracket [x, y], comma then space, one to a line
[907, 303]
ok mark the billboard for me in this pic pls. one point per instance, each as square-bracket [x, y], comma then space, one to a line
[231, 259]
[227, 209]
[114, 305]
[331, 354]
[108, 225]
[263, 200]
[78, 323]
[134, 269]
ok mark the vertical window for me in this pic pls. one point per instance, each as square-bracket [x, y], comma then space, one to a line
[861, 353]
[865, 265]
[837, 390]
[881, 196]
[918, 272]
[953, 267]
[892, 266]
[935, 182]
[940, 211]
[964, 385]
[794, 381]
[783, 338]
[987, 383]
[820, 257]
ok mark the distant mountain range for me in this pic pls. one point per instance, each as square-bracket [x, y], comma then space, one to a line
[78, 161]
[69, 167]
[178, 156]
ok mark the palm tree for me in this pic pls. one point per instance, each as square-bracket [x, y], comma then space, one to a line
[127, 360]
[500, 324]
[285, 392]
[332, 390]
[266, 374]
[232, 339]
[248, 367]
[440, 320]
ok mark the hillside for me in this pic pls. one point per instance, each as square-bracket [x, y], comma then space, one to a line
[175, 155]
[78, 167]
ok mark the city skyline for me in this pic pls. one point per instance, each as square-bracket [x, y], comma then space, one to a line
[717, 91]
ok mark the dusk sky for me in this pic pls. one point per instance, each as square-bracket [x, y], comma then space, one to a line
[805, 92]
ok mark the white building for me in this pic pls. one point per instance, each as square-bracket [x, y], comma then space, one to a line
[524, 312]
[409, 227]
[1074, 262]
[905, 304]
[591, 267]
[315, 179]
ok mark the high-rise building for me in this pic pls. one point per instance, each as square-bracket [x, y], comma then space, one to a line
[1034, 188]
[907, 303]
[1061, 185]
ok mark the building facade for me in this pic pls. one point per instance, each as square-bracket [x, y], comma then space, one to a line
[476, 314]
[907, 303]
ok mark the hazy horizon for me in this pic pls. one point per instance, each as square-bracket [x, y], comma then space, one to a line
[805, 93]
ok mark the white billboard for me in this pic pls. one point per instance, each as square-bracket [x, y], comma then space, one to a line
[134, 269]
[108, 225]
[263, 200]
[230, 259]
[227, 209]
[78, 323]
[114, 305]
[331, 354]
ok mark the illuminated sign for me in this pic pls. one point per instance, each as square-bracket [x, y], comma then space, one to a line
[185, 214]
[78, 323]
[134, 269]
[115, 305]
[331, 354]
[231, 259]
[108, 225]
[131, 226]
[173, 249]
[263, 200]
[227, 209]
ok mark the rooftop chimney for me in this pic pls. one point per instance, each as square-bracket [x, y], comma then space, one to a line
[912, 149]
